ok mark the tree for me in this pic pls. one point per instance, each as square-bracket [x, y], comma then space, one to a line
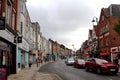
[117, 27]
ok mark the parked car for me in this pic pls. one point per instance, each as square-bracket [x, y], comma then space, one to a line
[101, 66]
[79, 63]
[69, 61]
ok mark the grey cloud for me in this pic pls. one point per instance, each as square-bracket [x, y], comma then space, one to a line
[60, 18]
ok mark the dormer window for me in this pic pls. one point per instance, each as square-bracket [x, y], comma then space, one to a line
[107, 28]
[102, 18]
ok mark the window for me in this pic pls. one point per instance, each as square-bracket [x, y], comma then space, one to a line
[107, 28]
[107, 42]
[22, 7]
[8, 12]
[100, 31]
[101, 43]
[103, 29]
[13, 21]
[21, 27]
[102, 18]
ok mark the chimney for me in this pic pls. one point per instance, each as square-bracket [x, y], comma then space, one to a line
[111, 10]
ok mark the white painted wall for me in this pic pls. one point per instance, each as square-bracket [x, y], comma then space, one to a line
[7, 35]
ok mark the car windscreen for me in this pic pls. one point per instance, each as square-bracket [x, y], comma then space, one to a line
[81, 61]
[100, 61]
[71, 59]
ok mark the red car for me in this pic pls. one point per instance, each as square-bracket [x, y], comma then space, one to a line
[79, 63]
[101, 66]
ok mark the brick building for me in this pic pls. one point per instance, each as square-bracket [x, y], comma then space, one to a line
[8, 33]
[108, 37]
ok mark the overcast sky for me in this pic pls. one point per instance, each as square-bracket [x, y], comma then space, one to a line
[66, 21]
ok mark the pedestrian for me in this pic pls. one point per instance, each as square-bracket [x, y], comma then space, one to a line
[116, 61]
[37, 62]
[30, 63]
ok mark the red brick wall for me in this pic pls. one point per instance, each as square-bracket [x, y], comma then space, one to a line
[115, 38]
[3, 7]
[14, 7]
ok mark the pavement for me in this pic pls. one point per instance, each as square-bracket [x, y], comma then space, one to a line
[33, 74]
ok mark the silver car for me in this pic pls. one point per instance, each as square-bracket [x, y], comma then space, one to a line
[69, 61]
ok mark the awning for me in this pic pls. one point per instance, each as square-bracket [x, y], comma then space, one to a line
[104, 54]
[86, 54]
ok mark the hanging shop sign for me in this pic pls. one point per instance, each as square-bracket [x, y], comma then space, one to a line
[114, 49]
[2, 23]
[19, 39]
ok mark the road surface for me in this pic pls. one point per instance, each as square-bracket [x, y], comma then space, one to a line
[71, 73]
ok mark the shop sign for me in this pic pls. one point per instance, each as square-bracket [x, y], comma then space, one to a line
[114, 49]
[19, 39]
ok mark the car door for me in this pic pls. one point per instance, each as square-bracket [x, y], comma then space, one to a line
[93, 64]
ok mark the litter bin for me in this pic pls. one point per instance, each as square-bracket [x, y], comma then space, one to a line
[3, 74]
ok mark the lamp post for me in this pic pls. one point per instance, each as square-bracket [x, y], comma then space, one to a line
[95, 20]
[73, 52]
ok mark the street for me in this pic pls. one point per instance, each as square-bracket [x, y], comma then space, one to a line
[71, 73]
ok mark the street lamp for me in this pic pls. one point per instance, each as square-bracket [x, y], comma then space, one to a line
[95, 19]
[73, 50]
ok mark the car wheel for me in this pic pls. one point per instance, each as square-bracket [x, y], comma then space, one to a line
[99, 71]
[86, 68]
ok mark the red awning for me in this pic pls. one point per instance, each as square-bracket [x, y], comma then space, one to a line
[86, 54]
[104, 54]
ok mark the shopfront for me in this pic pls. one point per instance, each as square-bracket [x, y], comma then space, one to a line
[114, 53]
[7, 56]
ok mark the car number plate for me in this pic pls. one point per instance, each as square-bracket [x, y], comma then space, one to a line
[112, 69]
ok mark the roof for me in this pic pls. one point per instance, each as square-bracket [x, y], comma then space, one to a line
[112, 10]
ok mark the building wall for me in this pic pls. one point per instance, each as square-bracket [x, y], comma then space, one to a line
[7, 36]
[114, 36]
[23, 30]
